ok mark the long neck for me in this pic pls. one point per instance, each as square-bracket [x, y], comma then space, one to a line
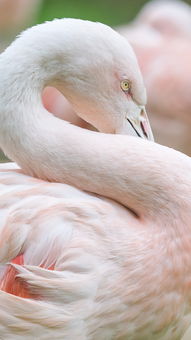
[149, 179]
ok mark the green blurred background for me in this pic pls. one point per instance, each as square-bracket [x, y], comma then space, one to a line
[110, 12]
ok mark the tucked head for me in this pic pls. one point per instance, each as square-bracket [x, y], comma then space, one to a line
[93, 66]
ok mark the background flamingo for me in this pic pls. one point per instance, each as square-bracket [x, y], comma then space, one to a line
[169, 17]
[82, 265]
[160, 36]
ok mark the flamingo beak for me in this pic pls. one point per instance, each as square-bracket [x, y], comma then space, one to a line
[141, 125]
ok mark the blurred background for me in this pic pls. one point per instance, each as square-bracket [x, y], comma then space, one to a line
[16, 15]
[110, 12]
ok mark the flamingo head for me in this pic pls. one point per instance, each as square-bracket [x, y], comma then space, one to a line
[94, 67]
[108, 90]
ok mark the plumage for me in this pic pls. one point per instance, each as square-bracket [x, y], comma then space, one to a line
[14, 16]
[106, 253]
[116, 274]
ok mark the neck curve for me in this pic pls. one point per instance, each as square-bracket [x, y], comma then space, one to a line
[54, 150]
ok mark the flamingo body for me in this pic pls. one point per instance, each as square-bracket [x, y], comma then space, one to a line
[95, 226]
[82, 266]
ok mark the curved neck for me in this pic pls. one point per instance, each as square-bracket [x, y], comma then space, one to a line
[140, 175]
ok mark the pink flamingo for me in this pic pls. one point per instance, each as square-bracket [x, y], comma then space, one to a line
[167, 79]
[164, 61]
[85, 267]
[160, 37]
[113, 263]
[79, 261]
[169, 17]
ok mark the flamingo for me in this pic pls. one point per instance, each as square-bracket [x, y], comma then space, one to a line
[85, 267]
[160, 36]
[106, 253]
[113, 101]
[170, 17]
[166, 71]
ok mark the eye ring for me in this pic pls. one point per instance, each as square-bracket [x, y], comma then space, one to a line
[125, 85]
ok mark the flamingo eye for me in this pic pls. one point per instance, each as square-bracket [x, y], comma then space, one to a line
[125, 85]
